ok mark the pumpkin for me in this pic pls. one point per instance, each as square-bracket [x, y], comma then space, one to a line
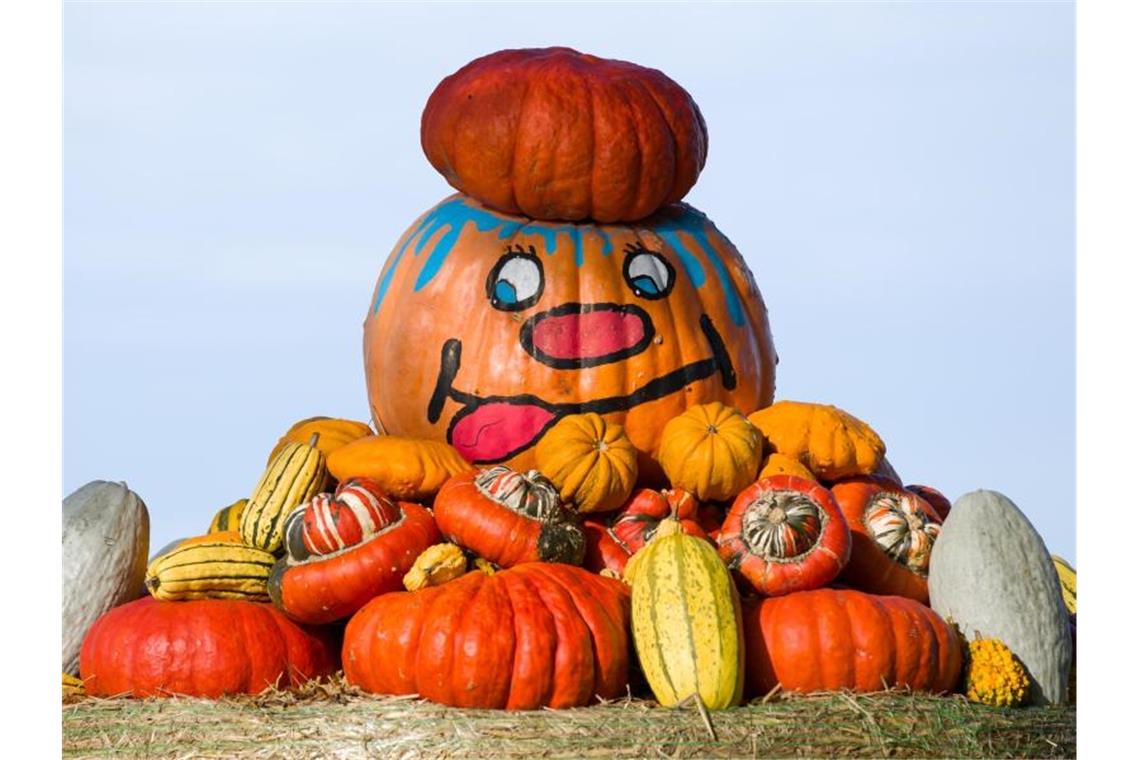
[992, 575]
[324, 588]
[831, 639]
[782, 464]
[509, 517]
[827, 440]
[485, 330]
[228, 518]
[293, 477]
[329, 523]
[993, 675]
[106, 535]
[785, 534]
[935, 498]
[711, 450]
[213, 566]
[405, 468]
[332, 434]
[686, 620]
[591, 461]
[892, 534]
[535, 635]
[557, 134]
[611, 545]
[222, 646]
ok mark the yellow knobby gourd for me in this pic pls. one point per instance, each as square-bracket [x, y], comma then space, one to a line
[214, 566]
[994, 676]
[591, 461]
[711, 451]
[827, 440]
[73, 687]
[686, 618]
[435, 566]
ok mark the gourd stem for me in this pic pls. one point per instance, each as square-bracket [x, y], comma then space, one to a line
[313, 440]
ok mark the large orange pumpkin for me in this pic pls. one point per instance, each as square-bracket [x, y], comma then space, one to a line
[486, 329]
[556, 134]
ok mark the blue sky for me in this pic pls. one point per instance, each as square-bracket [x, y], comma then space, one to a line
[899, 177]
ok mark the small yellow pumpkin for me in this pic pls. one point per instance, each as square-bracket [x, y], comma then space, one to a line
[994, 676]
[591, 461]
[406, 468]
[711, 451]
[334, 433]
[827, 440]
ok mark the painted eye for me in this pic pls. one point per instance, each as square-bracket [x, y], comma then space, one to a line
[515, 282]
[648, 274]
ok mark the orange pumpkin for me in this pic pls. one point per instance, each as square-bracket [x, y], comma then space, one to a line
[555, 134]
[487, 329]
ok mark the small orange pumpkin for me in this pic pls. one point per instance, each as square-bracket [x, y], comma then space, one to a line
[711, 451]
[591, 461]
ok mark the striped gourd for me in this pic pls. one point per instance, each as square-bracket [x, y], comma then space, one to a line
[294, 476]
[687, 624]
[214, 566]
[228, 518]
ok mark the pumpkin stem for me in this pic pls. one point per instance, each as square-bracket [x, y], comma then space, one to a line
[313, 440]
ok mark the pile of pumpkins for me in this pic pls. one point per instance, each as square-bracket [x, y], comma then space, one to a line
[574, 468]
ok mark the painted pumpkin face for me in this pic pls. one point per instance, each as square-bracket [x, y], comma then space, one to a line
[485, 329]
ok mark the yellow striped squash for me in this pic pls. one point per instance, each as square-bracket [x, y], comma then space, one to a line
[687, 624]
[295, 475]
[1068, 577]
[228, 518]
[214, 566]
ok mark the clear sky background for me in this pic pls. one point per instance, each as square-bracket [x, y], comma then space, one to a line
[900, 178]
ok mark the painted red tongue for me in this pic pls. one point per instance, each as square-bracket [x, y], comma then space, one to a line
[494, 430]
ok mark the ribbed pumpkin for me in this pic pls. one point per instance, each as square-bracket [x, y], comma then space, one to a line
[405, 468]
[893, 532]
[611, 544]
[228, 518]
[213, 566]
[827, 440]
[329, 523]
[324, 588]
[785, 534]
[591, 461]
[536, 635]
[485, 329]
[509, 518]
[557, 134]
[294, 476]
[205, 648]
[332, 434]
[832, 639]
[686, 620]
[711, 450]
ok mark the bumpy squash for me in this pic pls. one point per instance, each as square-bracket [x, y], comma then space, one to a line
[228, 518]
[827, 440]
[332, 434]
[295, 475]
[435, 566]
[785, 534]
[106, 535]
[782, 464]
[992, 575]
[994, 676]
[406, 468]
[686, 620]
[591, 461]
[223, 646]
[509, 518]
[711, 450]
[214, 566]
[536, 635]
[831, 639]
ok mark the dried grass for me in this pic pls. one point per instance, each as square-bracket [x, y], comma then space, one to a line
[332, 719]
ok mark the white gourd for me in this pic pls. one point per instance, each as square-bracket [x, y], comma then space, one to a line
[106, 534]
[991, 574]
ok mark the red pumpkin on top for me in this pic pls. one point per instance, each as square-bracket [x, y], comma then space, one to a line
[559, 135]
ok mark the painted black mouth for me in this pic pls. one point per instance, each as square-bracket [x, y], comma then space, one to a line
[659, 387]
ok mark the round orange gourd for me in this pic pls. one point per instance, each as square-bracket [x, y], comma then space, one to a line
[711, 450]
[556, 134]
[591, 461]
[485, 329]
[333, 433]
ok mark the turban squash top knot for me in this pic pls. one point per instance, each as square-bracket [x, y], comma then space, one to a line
[555, 134]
